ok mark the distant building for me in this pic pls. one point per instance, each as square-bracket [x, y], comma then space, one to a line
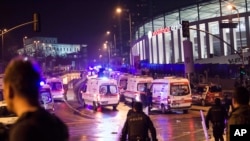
[42, 48]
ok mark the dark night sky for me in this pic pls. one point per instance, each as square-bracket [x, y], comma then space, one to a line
[71, 21]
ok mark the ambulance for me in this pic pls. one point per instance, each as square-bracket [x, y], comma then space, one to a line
[101, 92]
[171, 94]
[57, 88]
[122, 81]
[137, 85]
[45, 98]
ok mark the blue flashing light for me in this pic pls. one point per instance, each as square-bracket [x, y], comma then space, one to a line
[42, 83]
[104, 78]
[110, 69]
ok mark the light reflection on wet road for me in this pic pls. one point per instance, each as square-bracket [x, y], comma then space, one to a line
[105, 125]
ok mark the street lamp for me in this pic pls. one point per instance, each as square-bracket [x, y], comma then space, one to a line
[36, 42]
[112, 51]
[36, 48]
[2, 33]
[120, 10]
[24, 38]
[232, 7]
[106, 46]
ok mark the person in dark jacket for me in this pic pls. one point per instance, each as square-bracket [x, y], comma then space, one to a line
[21, 94]
[217, 114]
[132, 110]
[137, 125]
[241, 109]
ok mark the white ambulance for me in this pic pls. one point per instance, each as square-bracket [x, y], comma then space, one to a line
[137, 85]
[122, 81]
[171, 93]
[57, 88]
[101, 92]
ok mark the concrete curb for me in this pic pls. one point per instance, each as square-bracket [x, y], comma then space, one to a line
[198, 108]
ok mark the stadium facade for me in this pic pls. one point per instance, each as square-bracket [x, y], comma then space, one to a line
[160, 39]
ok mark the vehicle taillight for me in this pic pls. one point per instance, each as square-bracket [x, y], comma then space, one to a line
[169, 100]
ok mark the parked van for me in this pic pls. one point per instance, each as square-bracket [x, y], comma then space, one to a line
[101, 92]
[122, 81]
[204, 94]
[137, 85]
[57, 88]
[171, 93]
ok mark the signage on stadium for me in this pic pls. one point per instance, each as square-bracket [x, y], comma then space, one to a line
[164, 30]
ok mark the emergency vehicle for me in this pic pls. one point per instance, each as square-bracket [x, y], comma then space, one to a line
[204, 94]
[122, 81]
[45, 98]
[101, 92]
[137, 85]
[57, 88]
[170, 94]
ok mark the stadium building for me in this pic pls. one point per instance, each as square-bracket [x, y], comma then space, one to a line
[219, 34]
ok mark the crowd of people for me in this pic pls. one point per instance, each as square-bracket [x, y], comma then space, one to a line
[21, 93]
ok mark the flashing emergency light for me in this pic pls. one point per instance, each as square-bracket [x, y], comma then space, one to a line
[104, 78]
[42, 83]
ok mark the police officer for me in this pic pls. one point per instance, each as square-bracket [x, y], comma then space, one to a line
[217, 114]
[241, 109]
[137, 125]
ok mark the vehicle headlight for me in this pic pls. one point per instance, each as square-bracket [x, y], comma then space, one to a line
[137, 97]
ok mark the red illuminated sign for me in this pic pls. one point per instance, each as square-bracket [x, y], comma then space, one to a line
[166, 29]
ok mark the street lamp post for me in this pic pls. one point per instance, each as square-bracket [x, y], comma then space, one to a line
[233, 7]
[24, 45]
[108, 50]
[114, 47]
[2, 33]
[119, 10]
[36, 48]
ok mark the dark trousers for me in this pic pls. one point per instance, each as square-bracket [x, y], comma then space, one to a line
[218, 133]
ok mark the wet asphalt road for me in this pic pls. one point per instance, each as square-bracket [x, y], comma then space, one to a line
[105, 124]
